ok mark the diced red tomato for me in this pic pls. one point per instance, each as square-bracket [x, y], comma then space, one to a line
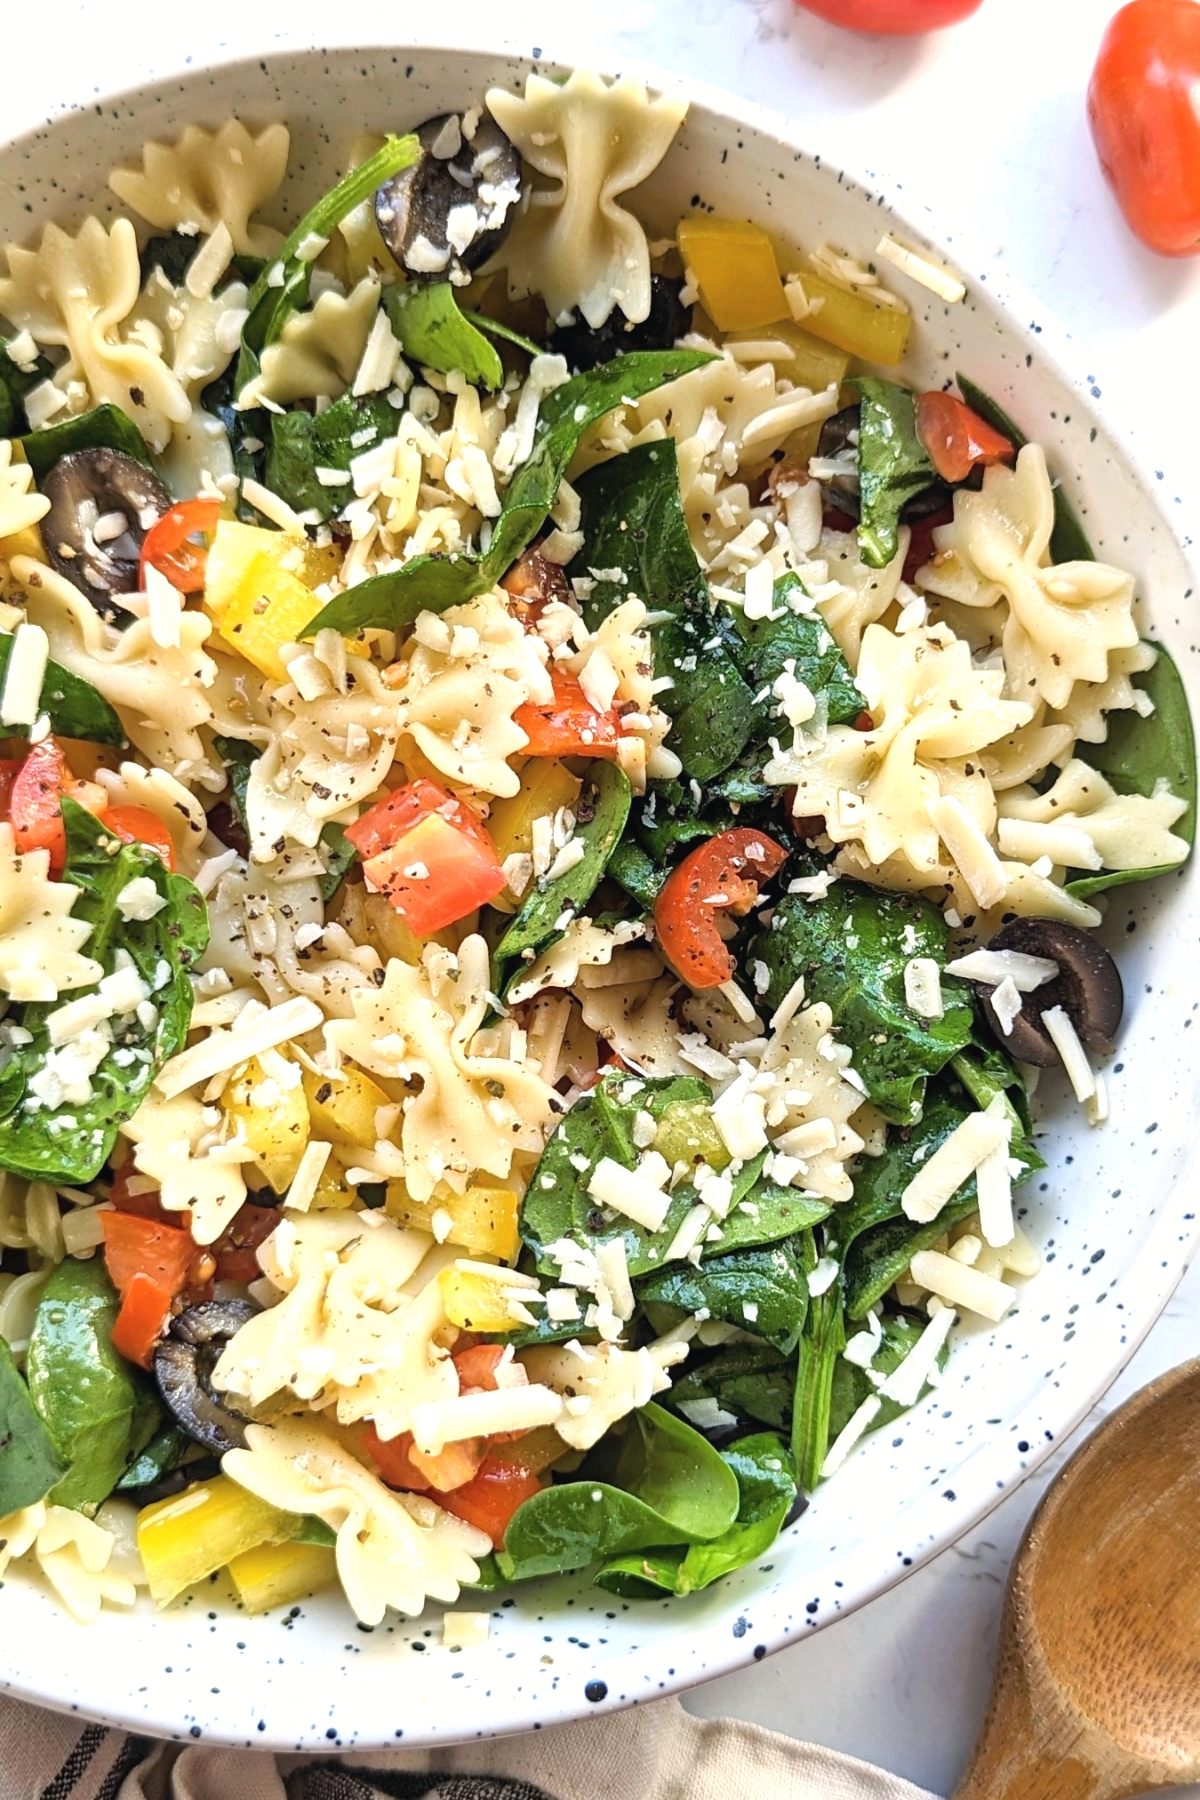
[145, 1309]
[35, 804]
[134, 1245]
[490, 1500]
[138, 825]
[427, 851]
[722, 875]
[569, 725]
[957, 438]
[10, 768]
[391, 1456]
[236, 1250]
[892, 18]
[920, 541]
[833, 519]
[477, 1367]
[1142, 110]
[166, 545]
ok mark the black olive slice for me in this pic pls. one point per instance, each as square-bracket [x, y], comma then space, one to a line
[451, 209]
[1087, 987]
[585, 346]
[183, 1366]
[102, 504]
[836, 436]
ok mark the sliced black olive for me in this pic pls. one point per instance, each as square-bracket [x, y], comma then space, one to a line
[102, 504]
[584, 346]
[451, 209]
[183, 1366]
[1087, 987]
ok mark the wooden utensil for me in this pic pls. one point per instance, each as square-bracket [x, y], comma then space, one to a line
[1097, 1691]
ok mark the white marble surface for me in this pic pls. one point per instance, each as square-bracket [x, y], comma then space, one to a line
[985, 125]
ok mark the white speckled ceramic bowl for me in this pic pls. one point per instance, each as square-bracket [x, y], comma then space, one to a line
[1112, 1213]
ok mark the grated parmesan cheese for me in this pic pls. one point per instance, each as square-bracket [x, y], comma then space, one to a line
[992, 967]
[960, 1286]
[1065, 1039]
[25, 675]
[1006, 1004]
[921, 268]
[308, 1175]
[978, 863]
[993, 1180]
[955, 1161]
[436, 1423]
[904, 1384]
[855, 1427]
[465, 1630]
[224, 1050]
[637, 1193]
[923, 987]
[1069, 846]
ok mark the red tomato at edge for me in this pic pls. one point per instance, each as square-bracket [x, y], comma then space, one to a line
[1142, 110]
[892, 18]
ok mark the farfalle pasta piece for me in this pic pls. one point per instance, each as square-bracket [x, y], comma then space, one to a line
[573, 243]
[197, 336]
[1086, 713]
[862, 594]
[318, 350]
[1125, 831]
[1064, 619]
[209, 178]
[393, 1550]
[76, 293]
[20, 504]
[40, 943]
[30, 1218]
[472, 1112]
[182, 1145]
[75, 1556]
[614, 1380]
[637, 1019]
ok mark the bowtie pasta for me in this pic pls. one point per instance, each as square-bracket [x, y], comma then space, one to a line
[552, 814]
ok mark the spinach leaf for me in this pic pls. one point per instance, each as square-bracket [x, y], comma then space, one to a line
[1138, 753]
[605, 795]
[490, 1577]
[852, 948]
[85, 1393]
[821, 1344]
[271, 303]
[339, 856]
[303, 442]
[104, 428]
[432, 331]
[432, 583]
[15, 383]
[852, 1385]
[893, 466]
[312, 1530]
[762, 1291]
[751, 1379]
[766, 1476]
[29, 1463]
[494, 328]
[667, 1485]
[636, 873]
[165, 1450]
[804, 640]
[1069, 541]
[635, 532]
[72, 705]
[174, 253]
[69, 1142]
[765, 1213]
[337, 852]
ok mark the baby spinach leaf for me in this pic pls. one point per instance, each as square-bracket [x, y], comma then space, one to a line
[852, 948]
[312, 1530]
[765, 1213]
[662, 1483]
[1069, 541]
[821, 1344]
[104, 428]
[72, 1142]
[165, 1450]
[766, 1476]
[750, 1379]
[432, 331]
[271, 303]
[893, 465]
[636, 873]
[606, 794]
[762, 1291]
[15, 383]
[1138, 753]
[804, 640]
[432, 583]
[339, 856]
[303, 442]
[72, 705]
[29, 1463]
[494, 328]
[85, 1392]
[852, 1385]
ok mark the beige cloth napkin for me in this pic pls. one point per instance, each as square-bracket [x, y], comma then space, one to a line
[656, 1752]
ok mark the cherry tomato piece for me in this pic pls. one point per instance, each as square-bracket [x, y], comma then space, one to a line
[722, 875]
[166, 548]
[957, 438]
[138, 825]
[569, 725]
[10, 768]
[391, 1457]
[145, 1309]
[1142, 111]
[492, 1497]
[430, 855]
[892, 18]
[477, 1366]
[236, 1250]
[134, 1245]
[35, 804]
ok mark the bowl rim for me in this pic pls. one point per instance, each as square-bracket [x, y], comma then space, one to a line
[990, 1472]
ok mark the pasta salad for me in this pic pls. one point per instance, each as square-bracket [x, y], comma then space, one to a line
[553, 810]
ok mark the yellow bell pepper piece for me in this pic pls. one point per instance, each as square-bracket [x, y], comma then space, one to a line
[851, 319]
[234, 547]
[272, 1119]
[343, 1111]
[812, 364]
[276, 1574]
[733, 265]
[183, 1539]
[270, 607]
[334, 1193]
[483, 1219]
[546, 784]
[476, 1302]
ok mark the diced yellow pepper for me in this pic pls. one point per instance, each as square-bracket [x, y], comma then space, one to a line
[183, 1539]
[546, 784]
[272, 1119]
[686, 1133]
[276, 1574]
[342, 1110]
[483, 1219]
[812, 364]
[733, 264]
[270, 607]
[476, 1302]
[234, 547]
[334, 1193]
[874, 331]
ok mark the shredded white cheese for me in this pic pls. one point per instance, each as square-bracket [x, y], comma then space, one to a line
[960, 1286]
[436, 1423]
[978, 863]
[25, 675]
[921, 268]
[224, 1050]
[954, 1162]
[1065, 1039]
[905, 1382]
[855, 1427]
[308, 1175]
[465, 1630]
[923, 987]
[638, 1193]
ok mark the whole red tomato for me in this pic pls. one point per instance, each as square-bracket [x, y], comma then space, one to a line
[892, 18]
[1142, 108]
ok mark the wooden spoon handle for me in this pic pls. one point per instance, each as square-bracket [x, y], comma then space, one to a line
[1028, 1751]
